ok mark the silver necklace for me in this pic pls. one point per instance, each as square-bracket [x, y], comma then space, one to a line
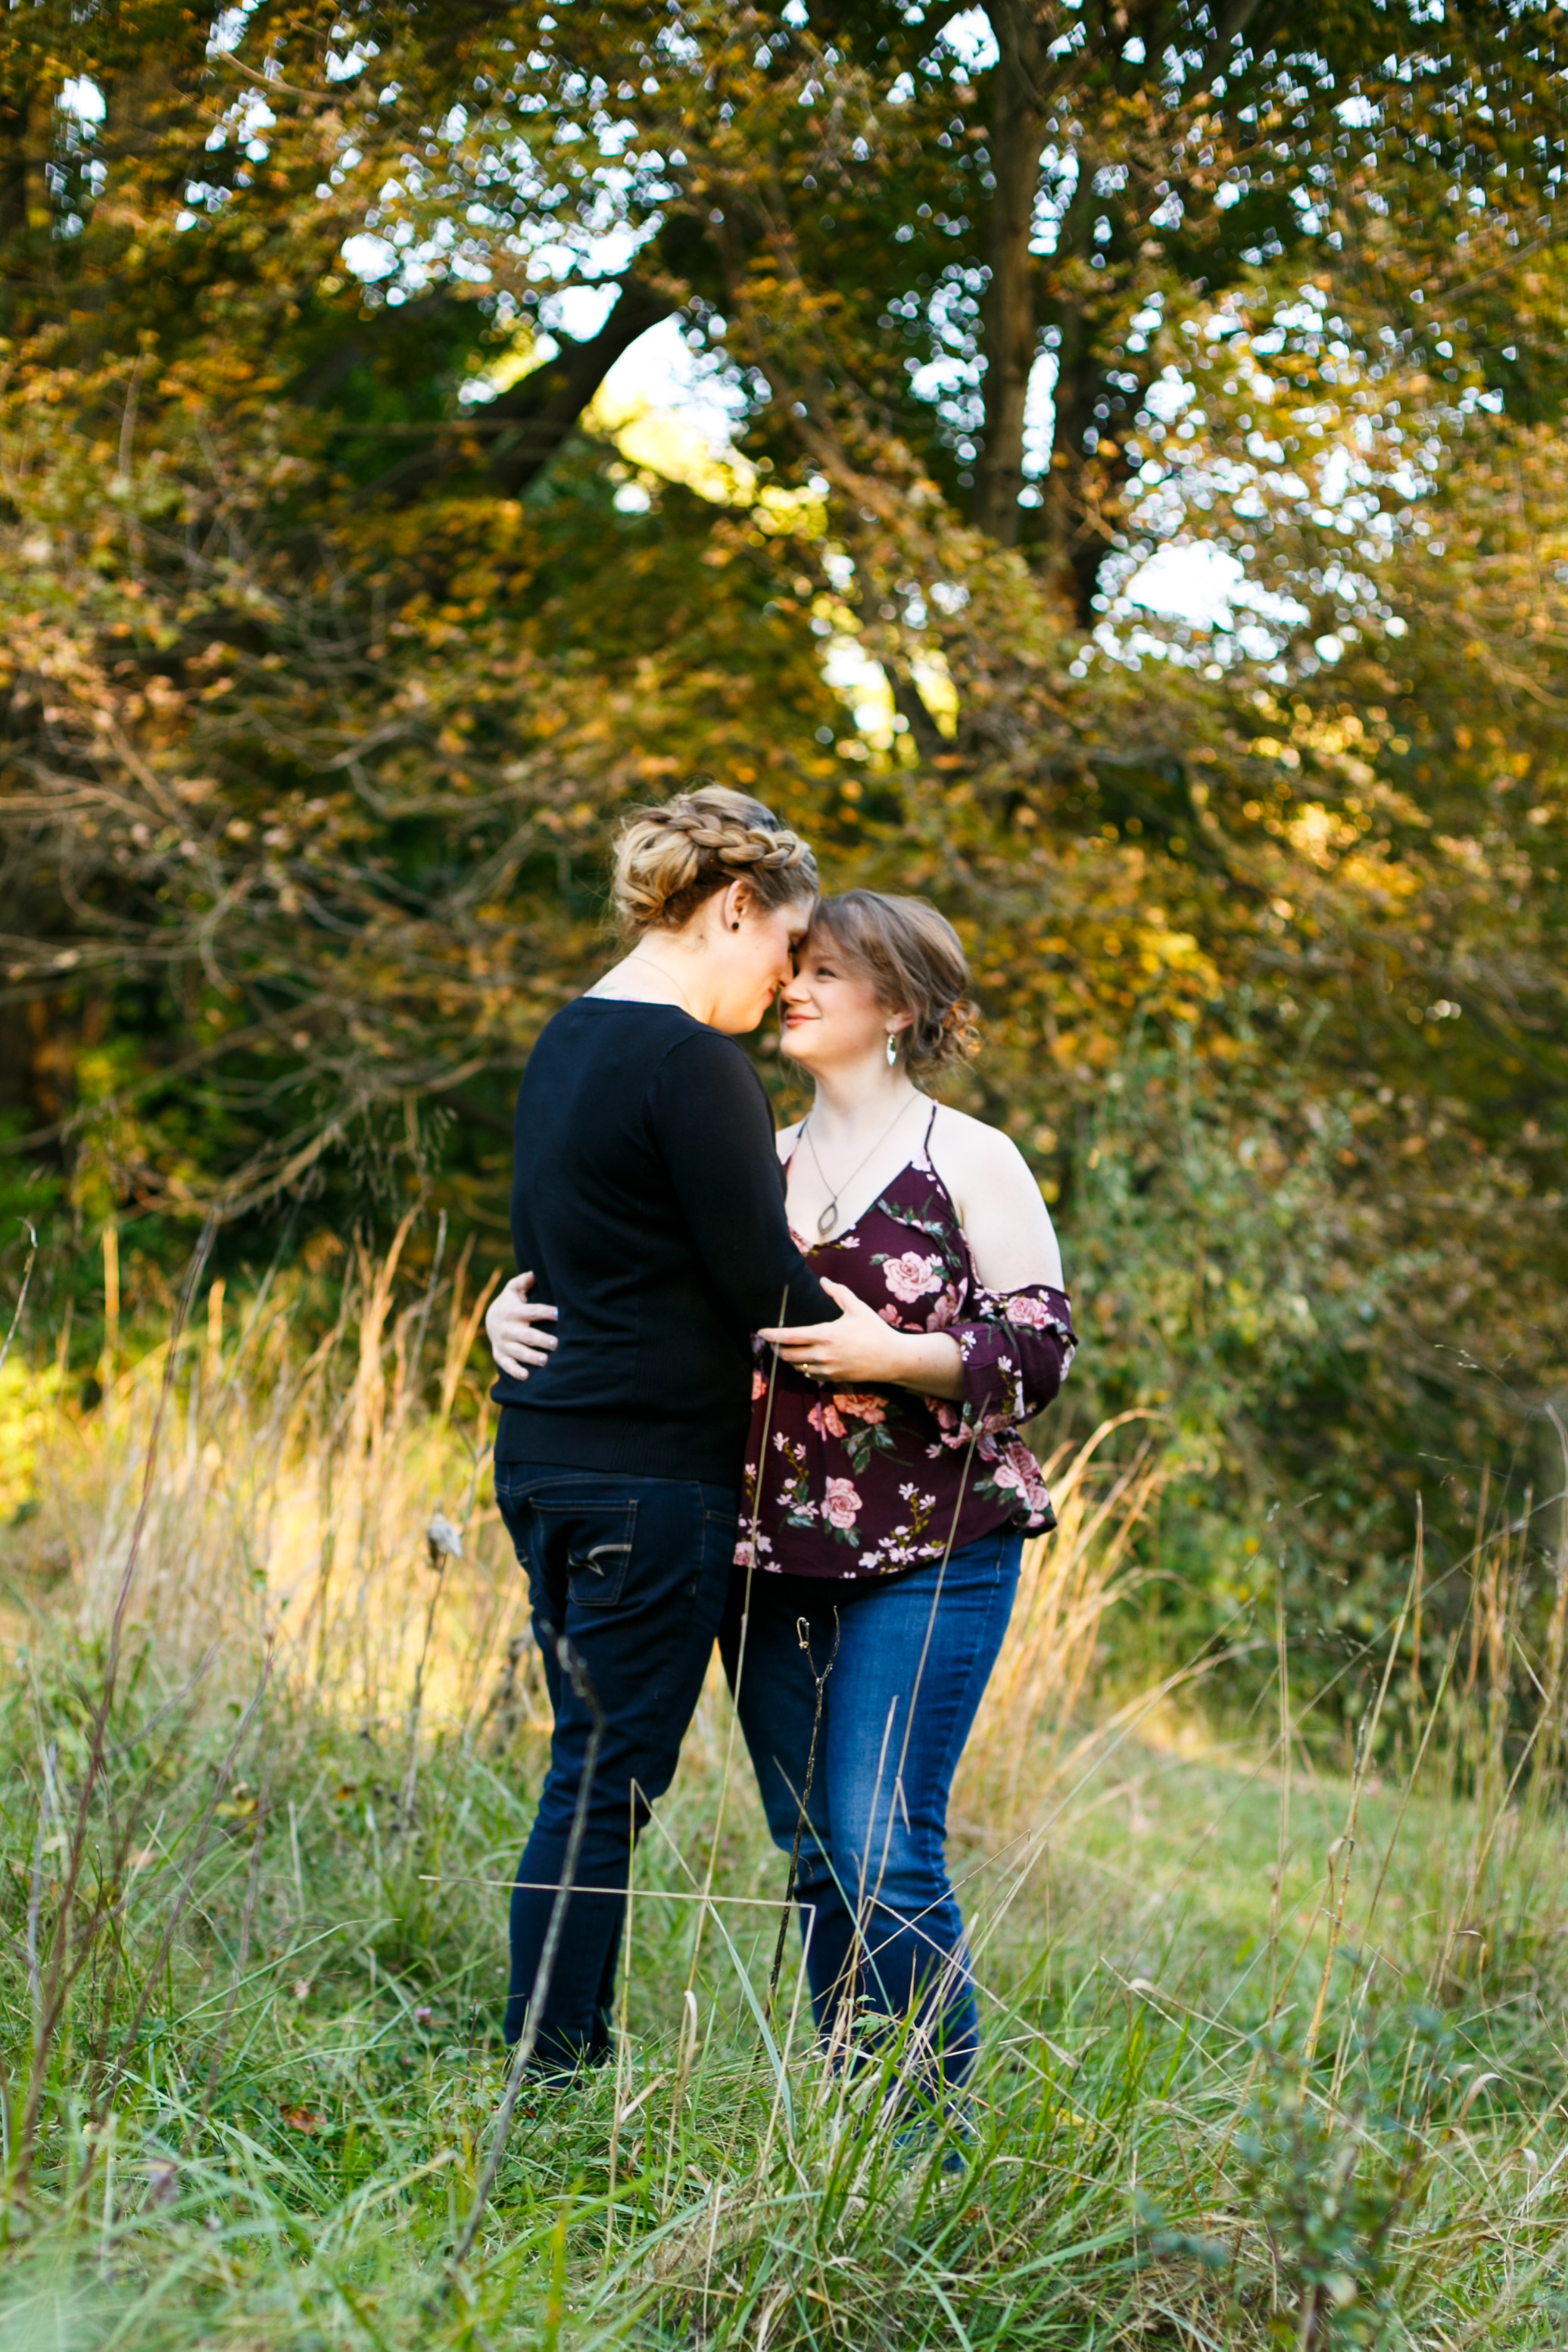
[667, 976]
[830, 1216]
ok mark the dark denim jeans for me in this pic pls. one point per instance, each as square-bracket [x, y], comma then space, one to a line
[635, 1572]
[914, 1658]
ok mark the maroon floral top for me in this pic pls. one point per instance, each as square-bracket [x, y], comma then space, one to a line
[864, 1482]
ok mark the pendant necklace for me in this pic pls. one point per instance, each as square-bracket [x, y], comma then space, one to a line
[830, 1216]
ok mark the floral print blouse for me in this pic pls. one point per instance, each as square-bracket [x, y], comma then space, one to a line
[864, 1482]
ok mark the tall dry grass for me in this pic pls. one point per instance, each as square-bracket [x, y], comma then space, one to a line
[285, 1493]
[1270, 2055]
[1069, 1582]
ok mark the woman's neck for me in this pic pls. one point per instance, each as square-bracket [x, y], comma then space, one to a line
[670, 978]
[861, 1098]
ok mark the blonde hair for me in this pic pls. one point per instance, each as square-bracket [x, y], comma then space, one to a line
[915, 960]
[669, 860]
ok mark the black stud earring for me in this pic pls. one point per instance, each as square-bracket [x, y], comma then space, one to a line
[735, 926]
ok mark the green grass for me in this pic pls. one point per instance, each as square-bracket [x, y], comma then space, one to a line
[284, 2146]
[1273, 2054]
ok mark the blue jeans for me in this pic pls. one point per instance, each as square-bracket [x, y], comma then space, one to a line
[635, 1572]
[914, 1658]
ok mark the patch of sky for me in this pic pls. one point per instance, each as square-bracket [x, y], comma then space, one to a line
[228, 29]
[862, 684]
[662, 370]
[1333, 476]
[1204, 585]
[578, 311]
[1038, 425]
[1169, 396]
[344, 64]
[968, 37]
[369, 257]
[83, 100]
[1057, 184]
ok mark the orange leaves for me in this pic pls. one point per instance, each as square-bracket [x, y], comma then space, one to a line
[304, 2119]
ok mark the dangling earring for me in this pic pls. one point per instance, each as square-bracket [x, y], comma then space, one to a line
[893, 1049]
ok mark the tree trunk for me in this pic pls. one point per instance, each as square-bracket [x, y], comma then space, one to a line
[541, 411]
[1072, 547]
[1010, 328]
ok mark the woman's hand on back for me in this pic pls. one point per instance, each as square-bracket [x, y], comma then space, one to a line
[860, 1347]
[513, 1323]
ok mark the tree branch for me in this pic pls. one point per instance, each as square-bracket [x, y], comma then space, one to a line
[541, 411]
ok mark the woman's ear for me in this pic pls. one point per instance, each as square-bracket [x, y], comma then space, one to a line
[738, 902]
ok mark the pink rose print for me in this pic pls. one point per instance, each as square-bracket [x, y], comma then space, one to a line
[880, 1516]
[842, 1505]
[909, 1278]
[861, 1405]
[1018, 1472]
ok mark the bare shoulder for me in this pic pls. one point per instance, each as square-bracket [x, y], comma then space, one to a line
[976, 1153]
[999, 1203]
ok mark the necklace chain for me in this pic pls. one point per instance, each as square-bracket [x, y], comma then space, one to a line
[830, 1216]
[667, 976]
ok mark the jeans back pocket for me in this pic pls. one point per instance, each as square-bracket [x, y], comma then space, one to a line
[597, 1540]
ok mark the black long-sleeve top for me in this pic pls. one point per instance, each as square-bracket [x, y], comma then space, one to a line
[649, 1200]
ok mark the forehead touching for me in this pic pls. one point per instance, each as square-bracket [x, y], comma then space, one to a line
[820, 947]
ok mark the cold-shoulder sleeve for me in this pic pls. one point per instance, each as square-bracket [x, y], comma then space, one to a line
[1017, 1347]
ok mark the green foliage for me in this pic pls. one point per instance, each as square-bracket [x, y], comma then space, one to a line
[1331, 2190]
[333, 646]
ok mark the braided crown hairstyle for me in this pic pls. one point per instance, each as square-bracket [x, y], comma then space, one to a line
[915, 960]
[668, 860]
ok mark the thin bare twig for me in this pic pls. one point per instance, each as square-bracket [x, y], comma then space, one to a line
[22, 1293]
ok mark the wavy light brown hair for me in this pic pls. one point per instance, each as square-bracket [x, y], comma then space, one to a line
[668, 860]
[915, 960]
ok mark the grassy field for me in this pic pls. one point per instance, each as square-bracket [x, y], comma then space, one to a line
[1273, 2055]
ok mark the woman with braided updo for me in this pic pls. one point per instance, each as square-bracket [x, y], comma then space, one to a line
[887, 1488]
[646, 1207]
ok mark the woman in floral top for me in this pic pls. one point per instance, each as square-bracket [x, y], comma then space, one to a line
[856, 1482]
[888, 1488]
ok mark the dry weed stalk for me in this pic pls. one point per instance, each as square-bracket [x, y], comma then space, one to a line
[1071, 1578]
[289, 1499]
